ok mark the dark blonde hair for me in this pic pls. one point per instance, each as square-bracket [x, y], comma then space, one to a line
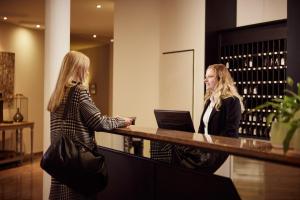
[225, 86]
[74, 69]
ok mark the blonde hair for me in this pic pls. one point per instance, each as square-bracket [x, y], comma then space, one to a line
[225, 86]
[74, 69]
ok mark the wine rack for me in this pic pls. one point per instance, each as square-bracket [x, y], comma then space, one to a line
[259, 71]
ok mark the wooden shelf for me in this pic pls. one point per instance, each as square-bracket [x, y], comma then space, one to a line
[17, 155]
[257, 61]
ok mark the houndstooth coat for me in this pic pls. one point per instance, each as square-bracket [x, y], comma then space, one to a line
[83, 119]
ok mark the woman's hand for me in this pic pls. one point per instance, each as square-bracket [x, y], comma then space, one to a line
[128, 121]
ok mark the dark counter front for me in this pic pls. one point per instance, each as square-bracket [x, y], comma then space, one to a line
[132, 177]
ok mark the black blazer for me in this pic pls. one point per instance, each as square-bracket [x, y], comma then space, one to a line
[224, 122]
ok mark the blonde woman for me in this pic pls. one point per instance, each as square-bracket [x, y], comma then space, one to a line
[223, 105]
[84, 117]
[221, 116]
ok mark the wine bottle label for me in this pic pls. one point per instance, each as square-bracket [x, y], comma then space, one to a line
[282, 62]
[250, 63]
[264, 119]
[227, 64]
[254, 90]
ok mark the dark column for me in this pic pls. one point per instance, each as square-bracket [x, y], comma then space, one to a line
[293, 44]
[218, 15]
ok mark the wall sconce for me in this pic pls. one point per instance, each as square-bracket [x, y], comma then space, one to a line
[93, 88]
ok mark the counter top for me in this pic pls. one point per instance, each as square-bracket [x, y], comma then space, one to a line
[245, 147]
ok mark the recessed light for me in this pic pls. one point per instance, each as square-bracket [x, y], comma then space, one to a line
[37, 26]
[94, 36]
[98, 6]
[4, 18]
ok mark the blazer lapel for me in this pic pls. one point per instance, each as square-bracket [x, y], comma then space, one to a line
[213, 112]
[201, 126]
[205, 108]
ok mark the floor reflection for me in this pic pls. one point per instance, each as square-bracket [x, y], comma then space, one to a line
[22, 181]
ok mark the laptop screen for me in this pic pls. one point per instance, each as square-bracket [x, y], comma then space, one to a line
[174, 120]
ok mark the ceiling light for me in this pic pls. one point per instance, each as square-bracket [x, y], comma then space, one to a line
[4, 18]
[98, 6]
[37, 26]
[94, 36]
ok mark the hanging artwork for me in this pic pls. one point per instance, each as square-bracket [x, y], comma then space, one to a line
[7, 72]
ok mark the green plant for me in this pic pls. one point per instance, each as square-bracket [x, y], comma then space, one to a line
[287, 110]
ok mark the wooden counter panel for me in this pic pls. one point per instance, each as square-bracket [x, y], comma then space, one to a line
[245, 147]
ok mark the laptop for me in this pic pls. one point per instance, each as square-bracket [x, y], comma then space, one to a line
[174, 120]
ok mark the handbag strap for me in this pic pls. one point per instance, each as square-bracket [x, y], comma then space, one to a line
[68, 102]
[66, 110]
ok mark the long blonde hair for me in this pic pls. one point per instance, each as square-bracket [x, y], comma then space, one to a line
[225, 86]
[74, 69]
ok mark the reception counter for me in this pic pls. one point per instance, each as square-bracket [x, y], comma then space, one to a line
[135, 177]
[250, 148]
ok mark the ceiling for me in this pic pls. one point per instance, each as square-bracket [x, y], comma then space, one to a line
[86, 19]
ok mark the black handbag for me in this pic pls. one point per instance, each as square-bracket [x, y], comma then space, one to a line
[75, 164]
[194, 158]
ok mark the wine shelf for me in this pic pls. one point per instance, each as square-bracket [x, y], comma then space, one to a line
[259, 70]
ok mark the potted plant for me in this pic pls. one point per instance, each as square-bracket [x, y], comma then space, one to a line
[286, 118]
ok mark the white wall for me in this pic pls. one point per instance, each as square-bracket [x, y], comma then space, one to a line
[28, 46]
[182, 26]
[99, 75]
[143, 30]
[258, 11]
[136, 60]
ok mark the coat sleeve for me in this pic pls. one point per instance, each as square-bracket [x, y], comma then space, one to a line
[92, 116]
[232, 109]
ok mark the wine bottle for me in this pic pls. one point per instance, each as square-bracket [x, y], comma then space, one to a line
[250, 61]
[254, 90]
[245, 90]
[282, 60]
[227, 65]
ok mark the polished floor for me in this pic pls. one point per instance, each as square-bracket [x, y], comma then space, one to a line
[22, 182]
[253, 179]
[260, 180]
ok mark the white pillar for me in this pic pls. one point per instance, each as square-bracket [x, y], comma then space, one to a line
[57, 44]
